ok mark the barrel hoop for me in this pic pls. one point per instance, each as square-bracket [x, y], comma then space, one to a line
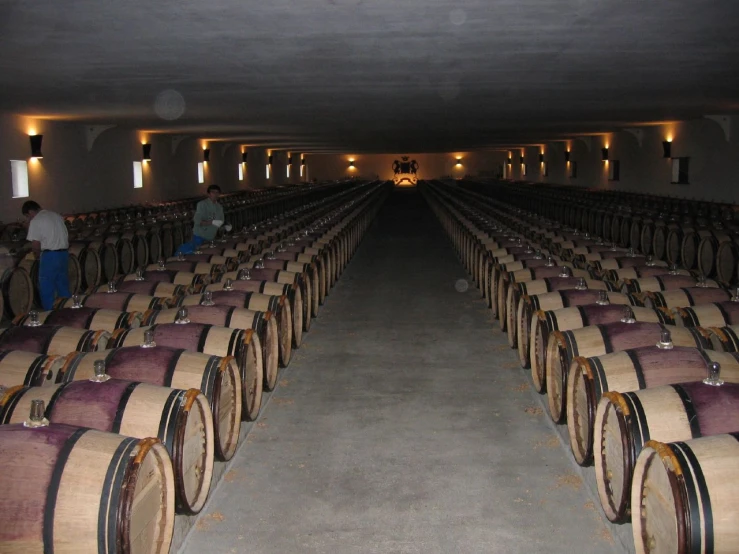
[50, 338]
[637, 422]
[168, 422]
[535, 301]
[552, 322]
[203, 337]
[88, 321]
[4, 353]
[687, 315]
[606, 340]
[731, 335]
[695, 486]
[229, 315]
[6, 411]
[52, 401]
[521, 288]
[695, 429]
[128, 299]
[724, 313]
[638, 369]
[258, 319]
[585, 319]
[85, 340]
[660, 281]
[689, 297]
[209, 376]
[570, 346]
[171, 367]
[262, 287]
[122, 407]
[121, 321]
[34, 371]
[232, 341]
[53, 490]
[599, 376]
[701, 341]
[664, 316]
[274, 304]
[107, 515]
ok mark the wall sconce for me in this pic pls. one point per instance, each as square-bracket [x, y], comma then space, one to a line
[206, 154]
[604, 154]
[541, 157]
[244, 156]
[269, 160]
[36, 141]
[351, 164]
[146, 152]
[567, 156]
[667, 149]
[509, 161]
[459, 162]
[522, 160]
[290, 160]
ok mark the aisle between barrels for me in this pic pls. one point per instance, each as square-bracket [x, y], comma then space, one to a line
[403, 424]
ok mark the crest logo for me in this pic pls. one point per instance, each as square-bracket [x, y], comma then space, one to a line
[405, 172]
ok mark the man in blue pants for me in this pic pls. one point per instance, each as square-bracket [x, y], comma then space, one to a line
[208, 218]
[50, 246]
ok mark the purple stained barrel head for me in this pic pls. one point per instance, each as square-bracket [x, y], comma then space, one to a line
[147, 288]
[166, 276]
[88, 404]
[235, 298]
[573, 297]
[148, 365]
[716, 408]
[632, 261]
[108, 301]
[264, 274]
[186, 266]
[623, 336]
[593, 314]
[179, 336]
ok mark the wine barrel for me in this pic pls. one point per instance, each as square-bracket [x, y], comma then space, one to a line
[217, 377]
[278, 305]
[629, 370]
[270, 288]
[297, 281]
[121, 301]
[85, 318]
[684, 496]
[170, 276]
[91, 271]
[725, 338]
[263, 323]
[17, 287]
[140, 246]
[618, 276]
[213, 271]
[664, 282]
[715, 314]
[544, 323]
[624, 262]
[228, 263]
[727, 261]
[689, 247]
[681, 298]
[149, 288]
[564, 346]
[491, 279]
[676, 412]
[125, 252]
[108, 257]
[52, 339]
[180, 419]
[708, 250]
[242, 344]
[306, 272]
[660, 245]
[538, 332]
[28, 368]
[84, 491]
[312, 264]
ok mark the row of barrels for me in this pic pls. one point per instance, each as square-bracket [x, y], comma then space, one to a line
[646, 378]
[99, 252]
[116, 404]
[709, 245]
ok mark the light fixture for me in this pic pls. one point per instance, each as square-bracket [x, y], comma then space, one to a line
[459, 162]
[290, 159]
[541, 157]
[351, 164]
[206, 154]
[244, 156]
[509, 160]
[567, 155]
[604, 154]
[146, 152]
[522, 160]
[667, 149]
[36, 141]
[270, 159]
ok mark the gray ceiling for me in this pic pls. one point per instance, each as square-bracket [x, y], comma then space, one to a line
[371, 75]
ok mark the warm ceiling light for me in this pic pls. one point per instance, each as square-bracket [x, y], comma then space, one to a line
[604, 154]
[146, 152]
[36, 141]
[667, 149]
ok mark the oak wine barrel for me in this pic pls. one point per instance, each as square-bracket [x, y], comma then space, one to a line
[151, 288]
[120, 301]
[180, 419]
[715, 314]
[28, 368]
[17, 287]
[84, 491]
[297, 281]
[624, 422]
[85, 318]
[217, 377]
[564, 346]
[685, 494]
[242, 344]
[52, 339]
[664, 282]
[681, 298]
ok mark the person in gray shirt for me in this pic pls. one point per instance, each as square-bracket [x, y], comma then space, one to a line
[208, 218]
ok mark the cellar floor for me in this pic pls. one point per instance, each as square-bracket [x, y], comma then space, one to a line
[404, 424]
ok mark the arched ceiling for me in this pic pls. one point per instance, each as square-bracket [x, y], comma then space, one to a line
[370, 75]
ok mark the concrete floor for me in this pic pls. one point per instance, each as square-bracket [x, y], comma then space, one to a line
[404, 424]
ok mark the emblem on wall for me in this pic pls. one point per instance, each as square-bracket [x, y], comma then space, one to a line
[405, 171]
